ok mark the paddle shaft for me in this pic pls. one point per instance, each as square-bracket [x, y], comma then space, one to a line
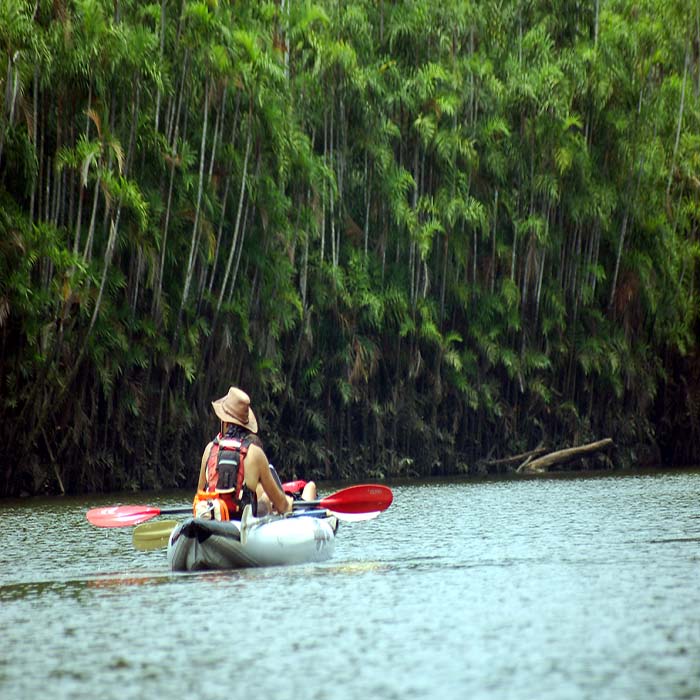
[175, 511]
[365, 498]
[299, 505]
[156, 535]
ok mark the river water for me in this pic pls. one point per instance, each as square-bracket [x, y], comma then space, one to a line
[538, 588]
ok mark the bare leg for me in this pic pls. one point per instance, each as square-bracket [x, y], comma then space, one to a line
[309, 492]
[264, 504]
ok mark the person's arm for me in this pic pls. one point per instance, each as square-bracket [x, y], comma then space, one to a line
[256, 463]
[203, 468]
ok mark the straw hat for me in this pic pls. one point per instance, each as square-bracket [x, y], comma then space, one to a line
[235, 408]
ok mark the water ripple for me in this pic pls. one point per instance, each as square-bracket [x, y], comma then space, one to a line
[552, 588]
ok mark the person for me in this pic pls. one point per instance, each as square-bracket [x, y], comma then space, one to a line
[234, 464]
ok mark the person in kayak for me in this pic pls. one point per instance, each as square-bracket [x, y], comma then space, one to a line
[235, 467]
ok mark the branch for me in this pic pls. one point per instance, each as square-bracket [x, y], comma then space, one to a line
[537, 466]
[515, 458]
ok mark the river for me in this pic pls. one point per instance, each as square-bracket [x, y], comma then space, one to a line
[556, 588]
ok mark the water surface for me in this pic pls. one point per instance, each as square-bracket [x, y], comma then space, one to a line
[541, 588]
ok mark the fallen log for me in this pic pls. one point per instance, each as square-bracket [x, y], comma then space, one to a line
[515, 459]
[541, 464]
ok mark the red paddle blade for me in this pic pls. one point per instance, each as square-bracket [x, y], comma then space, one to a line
[363, 498]
[119, 516]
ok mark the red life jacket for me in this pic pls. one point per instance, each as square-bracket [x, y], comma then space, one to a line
[226, 471]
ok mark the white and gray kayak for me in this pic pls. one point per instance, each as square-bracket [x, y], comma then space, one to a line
[274, 540]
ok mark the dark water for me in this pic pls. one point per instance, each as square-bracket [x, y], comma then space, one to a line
[547, 588]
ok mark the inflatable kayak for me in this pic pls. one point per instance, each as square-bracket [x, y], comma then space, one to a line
[200, 544]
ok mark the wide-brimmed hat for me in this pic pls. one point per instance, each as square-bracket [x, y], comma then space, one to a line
[235, 408]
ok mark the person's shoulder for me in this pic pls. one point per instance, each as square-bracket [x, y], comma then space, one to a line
[256, 453]
[255, 448]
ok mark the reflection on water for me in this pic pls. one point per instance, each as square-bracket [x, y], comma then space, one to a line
[538, 588]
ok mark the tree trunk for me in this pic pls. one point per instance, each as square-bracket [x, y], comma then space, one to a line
[35, 117]
[162, 49]
[195, 228]
[541, 464]
[87, 252]
[680, 122]
[515, 459]
[236, 229]
[3, 127]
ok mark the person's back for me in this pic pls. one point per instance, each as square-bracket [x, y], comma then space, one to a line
[234, 465]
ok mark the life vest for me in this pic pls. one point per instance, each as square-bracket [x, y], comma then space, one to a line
[225, 490]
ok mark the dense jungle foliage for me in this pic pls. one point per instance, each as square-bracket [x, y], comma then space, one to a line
[419, 234]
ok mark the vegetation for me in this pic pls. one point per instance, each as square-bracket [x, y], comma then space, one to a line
[418, 233]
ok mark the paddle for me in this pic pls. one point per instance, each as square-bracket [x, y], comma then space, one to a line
[122, 516]
[363, 498]
[361, 501]
[153, 535]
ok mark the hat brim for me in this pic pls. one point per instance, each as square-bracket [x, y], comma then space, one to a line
[226, 417]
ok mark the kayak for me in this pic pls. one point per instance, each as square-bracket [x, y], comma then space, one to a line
[274, 540]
